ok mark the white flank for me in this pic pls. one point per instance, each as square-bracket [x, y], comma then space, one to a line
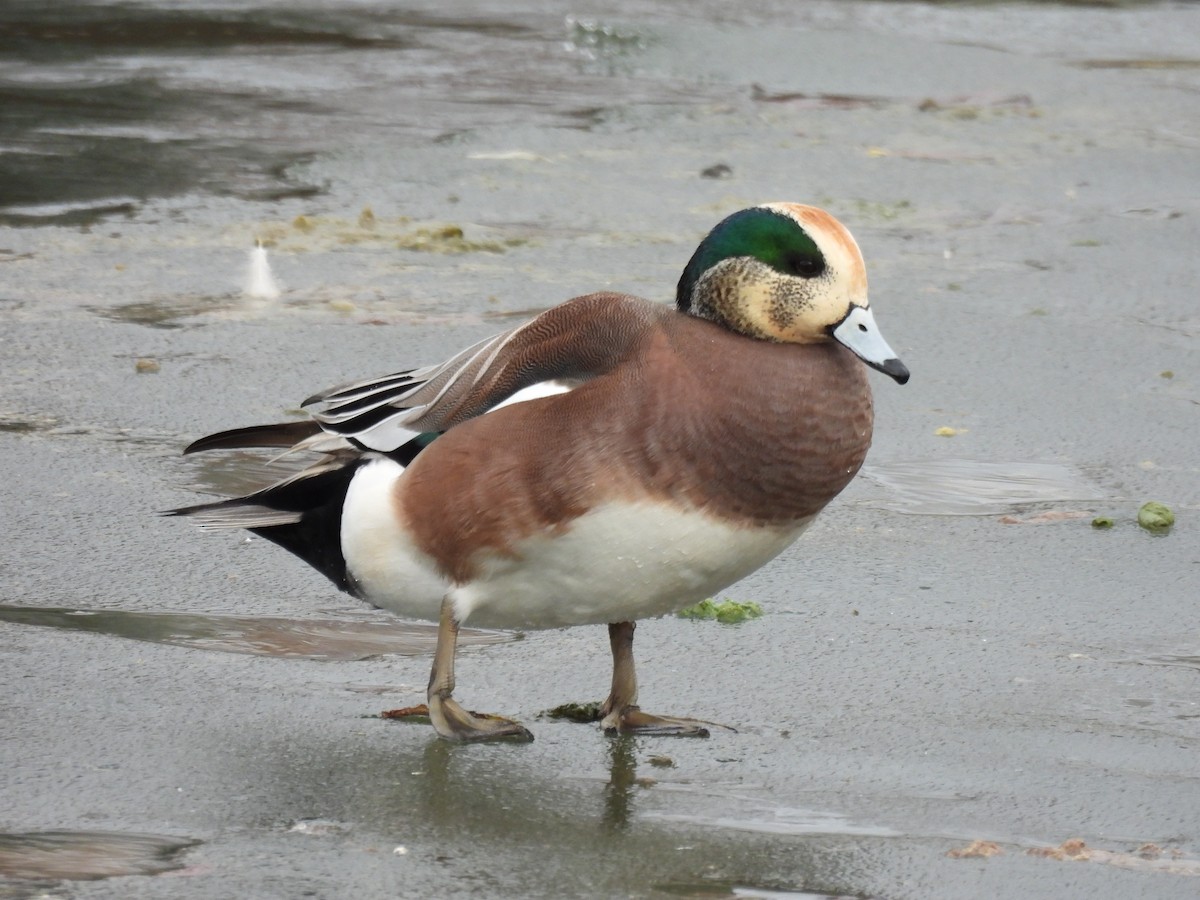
[379, 554]
[619, 562]
[260, 281]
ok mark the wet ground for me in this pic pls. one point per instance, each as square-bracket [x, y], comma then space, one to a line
[960, 688]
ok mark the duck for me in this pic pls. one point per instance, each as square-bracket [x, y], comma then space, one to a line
[611, 460]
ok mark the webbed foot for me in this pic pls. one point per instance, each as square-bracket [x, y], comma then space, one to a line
[631, 720]
[620, 713]
[451, 721]
[454, 723]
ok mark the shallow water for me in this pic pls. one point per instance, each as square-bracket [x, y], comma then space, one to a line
[976, 487]
[86, 855]
[236, 102]
[321, 639]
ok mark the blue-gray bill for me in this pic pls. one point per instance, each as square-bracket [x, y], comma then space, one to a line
[859, 334]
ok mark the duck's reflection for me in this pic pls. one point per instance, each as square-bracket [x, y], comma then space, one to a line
[622, 783]
[448, 802]
[517, 817]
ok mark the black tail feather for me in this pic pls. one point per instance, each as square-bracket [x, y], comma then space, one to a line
[312, 532]
[303, 513]
[284, 434]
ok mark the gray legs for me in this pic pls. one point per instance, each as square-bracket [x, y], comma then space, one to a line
[620, 711]
[450, 720]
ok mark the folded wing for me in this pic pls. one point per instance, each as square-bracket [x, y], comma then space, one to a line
[552, 353]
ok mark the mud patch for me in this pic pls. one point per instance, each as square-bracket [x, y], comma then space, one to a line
[165, 313]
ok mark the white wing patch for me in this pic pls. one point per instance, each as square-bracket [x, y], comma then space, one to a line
[384, 413]
[535, 392]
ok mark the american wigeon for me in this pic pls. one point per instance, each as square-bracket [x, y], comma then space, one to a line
[611, 460]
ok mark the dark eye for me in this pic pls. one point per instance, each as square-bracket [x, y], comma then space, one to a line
[805, 265]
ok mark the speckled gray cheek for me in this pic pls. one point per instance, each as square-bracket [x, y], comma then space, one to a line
[720, 300]
[790, 298]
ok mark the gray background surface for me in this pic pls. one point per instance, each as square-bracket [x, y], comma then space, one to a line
[952, 653]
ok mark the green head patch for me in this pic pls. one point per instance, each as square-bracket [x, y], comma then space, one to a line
[771, 237]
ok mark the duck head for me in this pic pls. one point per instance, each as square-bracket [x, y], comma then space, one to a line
[787, 273]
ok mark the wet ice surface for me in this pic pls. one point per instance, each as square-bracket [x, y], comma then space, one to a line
[1021, 179]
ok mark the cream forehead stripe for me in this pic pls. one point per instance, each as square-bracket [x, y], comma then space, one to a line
[835, 242]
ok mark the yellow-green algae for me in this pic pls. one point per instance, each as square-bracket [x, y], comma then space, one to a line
[1155, 516]
[308, 232]
[727, 612]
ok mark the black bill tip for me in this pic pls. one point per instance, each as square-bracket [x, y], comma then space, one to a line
[894, 369]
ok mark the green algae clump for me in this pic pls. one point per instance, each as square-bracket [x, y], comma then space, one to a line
[575, 712]
[727, 612]
[1155, 516]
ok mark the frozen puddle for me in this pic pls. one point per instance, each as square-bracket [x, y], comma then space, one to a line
[964, 487]
[323, 639]
[710, 890]
[784, 821]
[88, 855]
